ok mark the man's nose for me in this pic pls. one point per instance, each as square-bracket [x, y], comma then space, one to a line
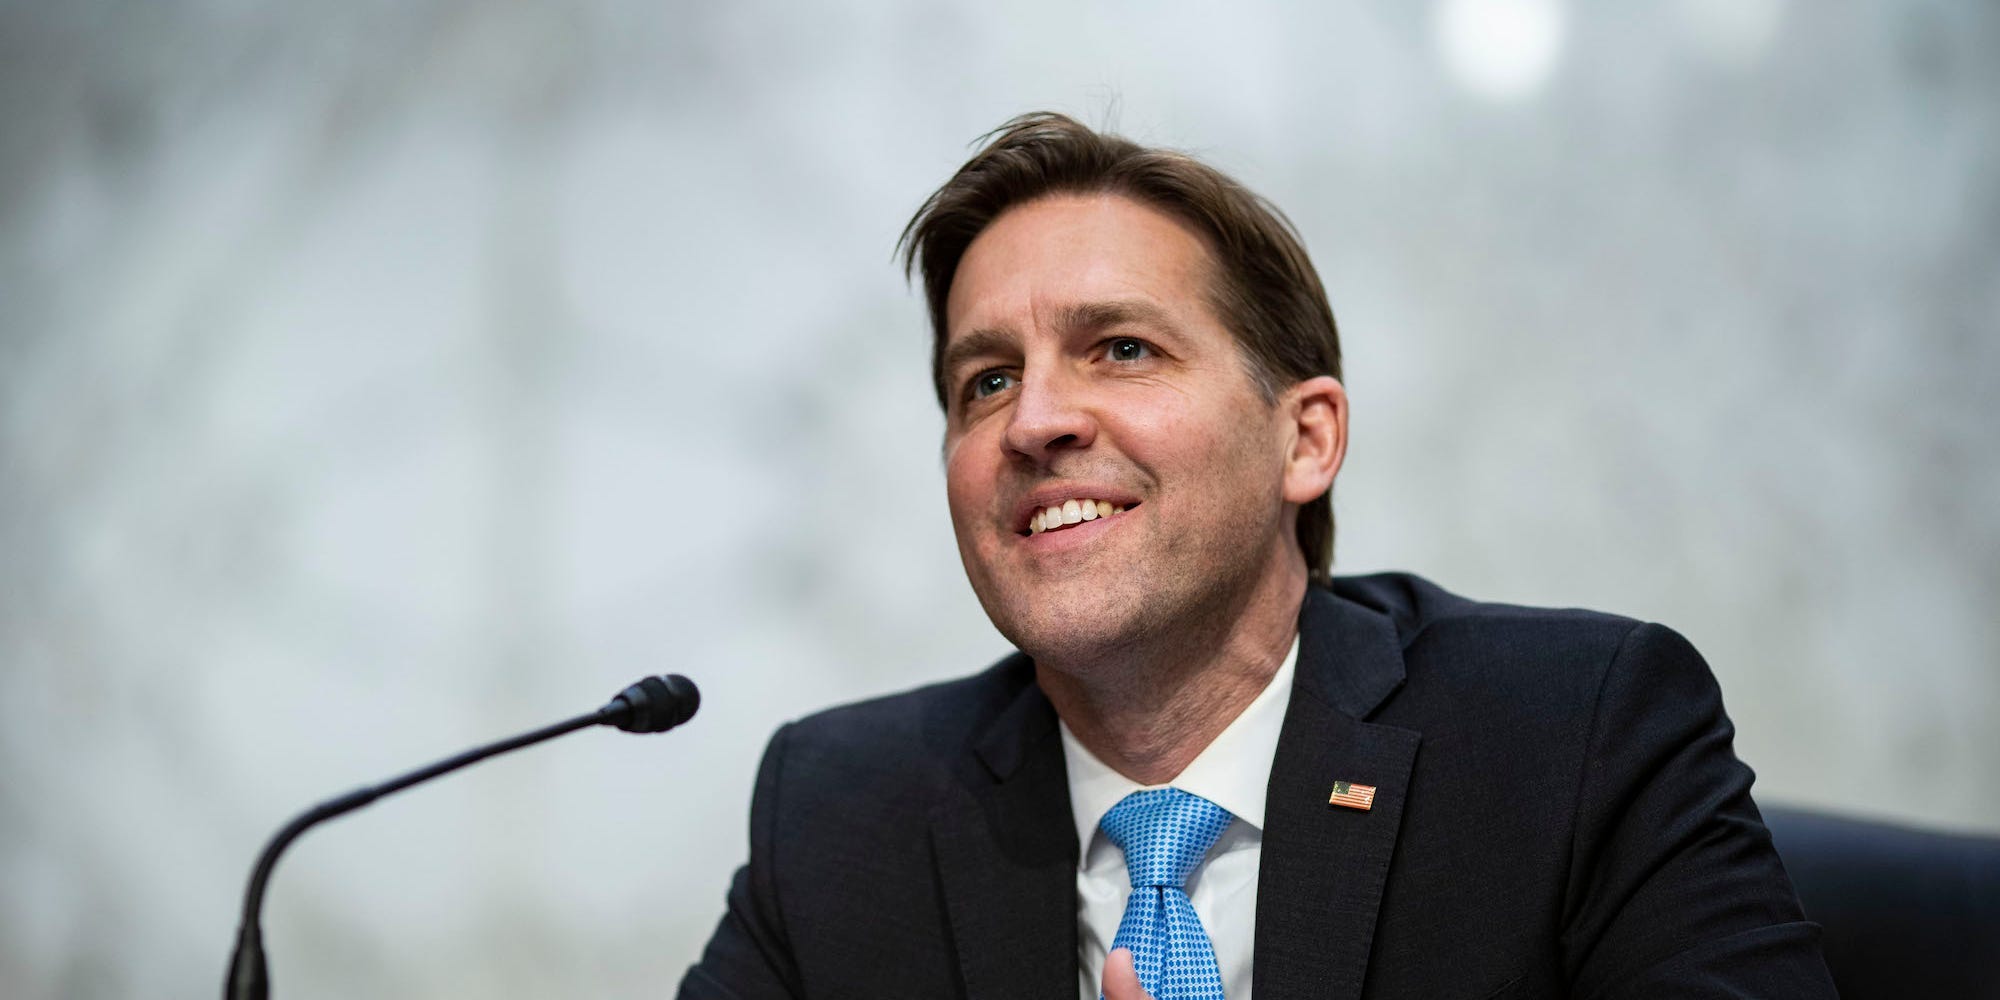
[1049, 415]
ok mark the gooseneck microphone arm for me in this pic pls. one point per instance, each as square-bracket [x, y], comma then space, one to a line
[653, 705]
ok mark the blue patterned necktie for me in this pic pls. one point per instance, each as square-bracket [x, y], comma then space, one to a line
[1165, 833]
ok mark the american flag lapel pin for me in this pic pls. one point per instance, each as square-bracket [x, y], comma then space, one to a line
[1352, 796]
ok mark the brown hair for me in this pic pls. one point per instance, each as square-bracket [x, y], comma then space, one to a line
[1265, 289]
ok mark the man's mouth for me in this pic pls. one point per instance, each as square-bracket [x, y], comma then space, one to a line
[1058, 516]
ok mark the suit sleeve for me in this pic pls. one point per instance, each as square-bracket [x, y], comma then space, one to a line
[1675, 889]
[749, 956]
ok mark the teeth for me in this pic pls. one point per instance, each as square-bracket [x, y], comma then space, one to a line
[1070, 512]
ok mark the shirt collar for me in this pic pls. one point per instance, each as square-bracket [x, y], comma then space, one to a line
[1233, 771]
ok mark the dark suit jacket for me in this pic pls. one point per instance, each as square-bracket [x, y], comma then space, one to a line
[1558, 813]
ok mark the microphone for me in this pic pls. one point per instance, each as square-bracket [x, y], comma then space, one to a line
[652, 705]
[655, 704]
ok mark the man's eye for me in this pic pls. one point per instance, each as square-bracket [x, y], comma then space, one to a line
[988, 383]
[1126, 349]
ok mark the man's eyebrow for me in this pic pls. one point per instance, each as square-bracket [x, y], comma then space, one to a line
[1069, 319]
[978, 343]
[1098, 315]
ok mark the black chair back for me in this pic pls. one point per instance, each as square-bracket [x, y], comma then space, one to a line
[1907, 913]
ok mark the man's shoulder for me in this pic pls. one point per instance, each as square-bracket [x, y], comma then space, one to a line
[1426, 614]
[1461, 655]
[918, 726]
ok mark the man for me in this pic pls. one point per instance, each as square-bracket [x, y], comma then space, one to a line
[1212, 770]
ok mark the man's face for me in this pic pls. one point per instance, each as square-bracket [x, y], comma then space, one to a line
[1083, 362]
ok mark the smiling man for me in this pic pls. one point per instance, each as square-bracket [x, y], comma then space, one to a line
[1212, 770]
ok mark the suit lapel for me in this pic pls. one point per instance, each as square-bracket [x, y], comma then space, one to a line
[1320, 881]
[1007, 856]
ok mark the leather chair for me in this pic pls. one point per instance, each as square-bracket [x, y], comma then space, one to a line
[1907, 913]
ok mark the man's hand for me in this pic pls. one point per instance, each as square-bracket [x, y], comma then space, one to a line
[1121, 979]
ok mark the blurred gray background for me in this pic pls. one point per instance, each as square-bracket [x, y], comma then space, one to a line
[378, 378]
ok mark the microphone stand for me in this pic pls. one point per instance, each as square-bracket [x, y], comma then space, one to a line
[648, 706]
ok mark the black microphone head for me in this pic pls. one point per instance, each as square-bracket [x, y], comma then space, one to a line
[656, 704]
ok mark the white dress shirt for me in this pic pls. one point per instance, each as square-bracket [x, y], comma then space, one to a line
[1232, 772]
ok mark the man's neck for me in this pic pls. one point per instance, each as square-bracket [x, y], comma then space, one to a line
[1149, 716]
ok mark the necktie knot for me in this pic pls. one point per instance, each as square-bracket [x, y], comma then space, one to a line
[1164, 833]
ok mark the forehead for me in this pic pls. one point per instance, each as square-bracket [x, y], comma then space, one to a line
[1051, 253]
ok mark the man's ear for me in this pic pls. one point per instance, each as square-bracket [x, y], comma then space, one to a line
[1318, 409]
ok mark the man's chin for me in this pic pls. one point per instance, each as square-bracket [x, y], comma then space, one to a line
[1074, 636]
